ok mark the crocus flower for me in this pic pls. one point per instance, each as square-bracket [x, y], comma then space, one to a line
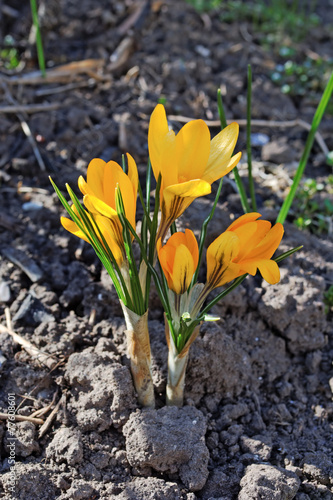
[103, 179]
[188, 162]
[246, 246]
[106, 228]
[179, 259]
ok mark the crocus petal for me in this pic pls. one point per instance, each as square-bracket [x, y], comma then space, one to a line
[97, 206]
[251, 216]
[250, 235]
[192, 245]
[133, 174]
[115, 178]
[71, 227]
[161, 143]
[215, 172]
[178, 197]
[266, 248]
[183, 270]
[166, 257]
[108, 231]
[220, 255]
[221, 149]
[95, 175]
[269, 271]
[192, 150]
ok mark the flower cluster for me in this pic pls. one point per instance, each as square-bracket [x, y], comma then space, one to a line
[184, 165]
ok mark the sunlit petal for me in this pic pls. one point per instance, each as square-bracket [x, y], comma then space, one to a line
[266, 248]
[72, 227]
[95, 176]
[192, 150]
[243, 219]
[269, 271]
[218, 170]
[97, 206]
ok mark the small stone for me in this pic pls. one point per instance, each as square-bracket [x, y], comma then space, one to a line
[32, 311]
[25, 263]
[3, 361]
[32, 206]
[4, 292]
[259, 139]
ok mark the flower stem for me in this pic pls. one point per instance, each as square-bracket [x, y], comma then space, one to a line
[138, 347]
[177, 363]
[176, 379]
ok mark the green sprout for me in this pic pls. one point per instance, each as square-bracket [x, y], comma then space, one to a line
[313, 209]
[328, 300]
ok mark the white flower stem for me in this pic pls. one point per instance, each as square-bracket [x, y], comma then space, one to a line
[176, 379]
[138, 346]
[177, 363]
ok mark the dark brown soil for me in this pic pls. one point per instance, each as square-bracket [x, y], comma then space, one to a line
[258, 417]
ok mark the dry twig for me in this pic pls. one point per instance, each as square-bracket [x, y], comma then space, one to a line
[45, 427]
[21, 418]
[29, 108]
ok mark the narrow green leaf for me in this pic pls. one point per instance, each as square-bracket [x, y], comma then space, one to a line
[307, 149]
[221, 111]
[39, 42]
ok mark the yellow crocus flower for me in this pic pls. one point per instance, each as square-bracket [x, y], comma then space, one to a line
[246, 246]
[179, 259]
[103, 180]
[106, 227]
[189, 162]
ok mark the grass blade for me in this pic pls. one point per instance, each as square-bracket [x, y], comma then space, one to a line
[306, 152]
[39, 42]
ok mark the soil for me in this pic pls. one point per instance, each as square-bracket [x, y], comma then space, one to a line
[257, 420]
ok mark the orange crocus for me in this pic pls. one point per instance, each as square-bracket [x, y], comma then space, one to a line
[103, 180]
[246, 246]
[105, 226]
[189, 162]
[179, 259]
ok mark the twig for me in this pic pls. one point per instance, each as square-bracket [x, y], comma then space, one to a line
[30, 108]
[26, 129]
[45, 427]
[63, 73]
[43, 411]
[21, 418]
[34, 352]
[261, 123]
[64, 88]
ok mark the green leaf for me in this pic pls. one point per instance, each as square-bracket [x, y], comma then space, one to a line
[307, 149]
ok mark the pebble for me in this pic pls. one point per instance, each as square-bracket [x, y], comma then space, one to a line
[31, 206]
[4, 292]
[259, 139]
